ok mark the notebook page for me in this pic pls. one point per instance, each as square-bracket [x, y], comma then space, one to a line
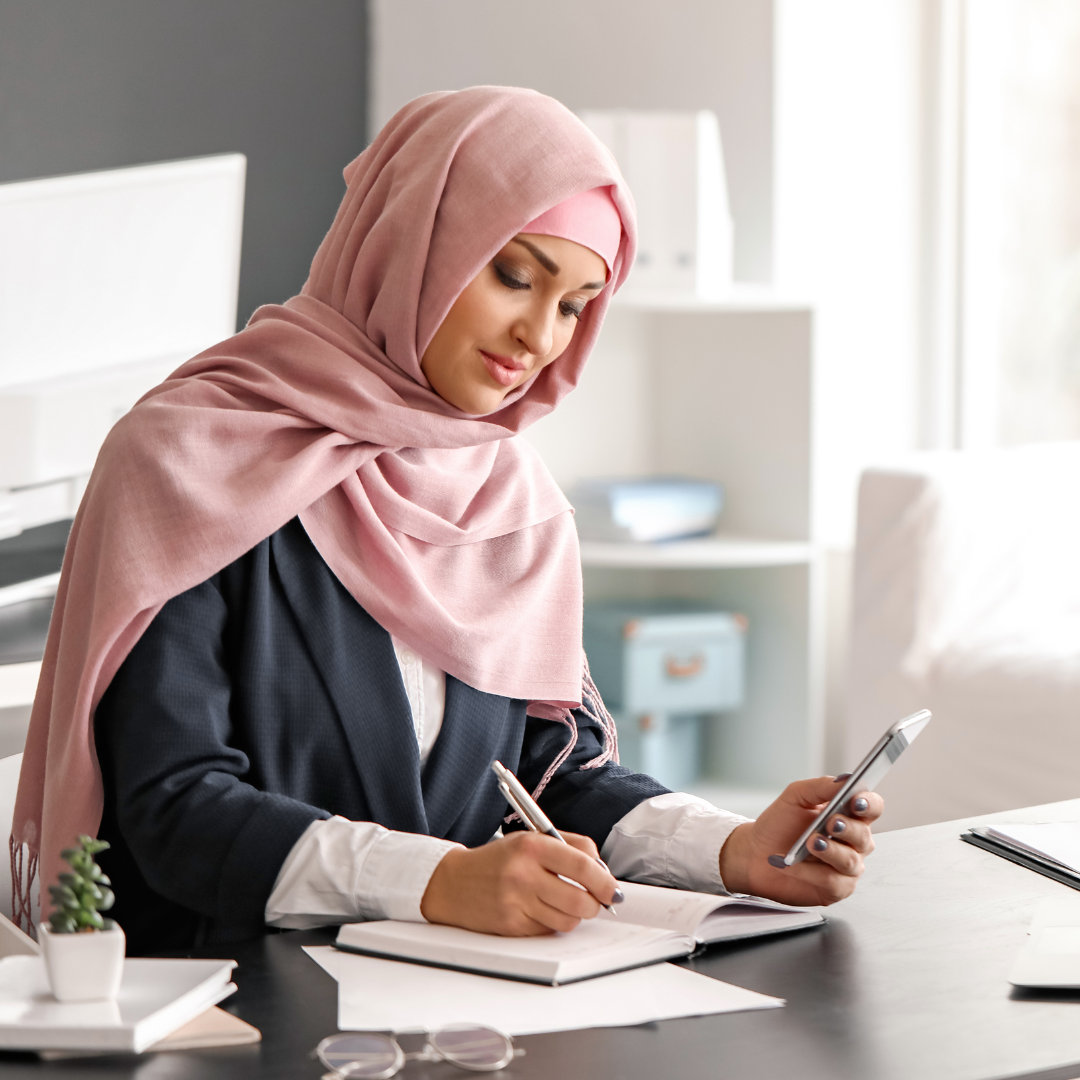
[703, 916]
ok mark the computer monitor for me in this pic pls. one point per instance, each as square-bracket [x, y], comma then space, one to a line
[105, 268]
[108, 281]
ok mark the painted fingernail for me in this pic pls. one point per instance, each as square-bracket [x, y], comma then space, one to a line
[618, 896]
[777, 861]
[860, 804]
[841, 778]
[820, 843]
[839, 825]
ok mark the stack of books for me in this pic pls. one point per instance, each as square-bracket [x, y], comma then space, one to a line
[161, 1003]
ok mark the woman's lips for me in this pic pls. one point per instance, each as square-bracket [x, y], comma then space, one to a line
[501, 368]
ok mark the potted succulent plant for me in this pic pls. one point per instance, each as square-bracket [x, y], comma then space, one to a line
[83, 950]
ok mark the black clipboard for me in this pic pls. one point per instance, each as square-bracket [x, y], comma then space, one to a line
[1048, 867]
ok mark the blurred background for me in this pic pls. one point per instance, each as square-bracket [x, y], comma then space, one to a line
[885, 388]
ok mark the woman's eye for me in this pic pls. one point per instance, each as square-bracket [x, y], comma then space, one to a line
[570, 310]
[508, 278]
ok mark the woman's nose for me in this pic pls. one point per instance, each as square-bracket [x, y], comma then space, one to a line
[535, 330]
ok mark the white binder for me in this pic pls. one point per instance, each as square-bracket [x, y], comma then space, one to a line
[673, 162]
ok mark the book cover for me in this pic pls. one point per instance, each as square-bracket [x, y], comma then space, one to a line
[595, 947]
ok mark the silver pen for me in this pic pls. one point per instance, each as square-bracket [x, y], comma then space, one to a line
[536, 819]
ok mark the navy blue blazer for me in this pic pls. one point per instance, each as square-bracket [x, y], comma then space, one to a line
[267, 698]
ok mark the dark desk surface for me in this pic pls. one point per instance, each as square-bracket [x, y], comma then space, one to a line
[908, 981]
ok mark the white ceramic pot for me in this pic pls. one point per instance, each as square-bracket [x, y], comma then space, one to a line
[86, 966]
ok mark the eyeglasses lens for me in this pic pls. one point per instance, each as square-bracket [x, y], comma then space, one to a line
[472, 1047]
[363, 1056]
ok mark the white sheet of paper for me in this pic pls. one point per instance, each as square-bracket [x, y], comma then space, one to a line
[389, 995]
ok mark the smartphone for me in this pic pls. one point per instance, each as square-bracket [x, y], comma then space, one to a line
[864, 777]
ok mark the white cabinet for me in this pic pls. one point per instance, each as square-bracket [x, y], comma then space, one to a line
[721, 391]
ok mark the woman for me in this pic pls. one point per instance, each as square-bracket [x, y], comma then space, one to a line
[316, 585]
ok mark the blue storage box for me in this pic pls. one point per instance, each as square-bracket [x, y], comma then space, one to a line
[647, 508]
[661, 666]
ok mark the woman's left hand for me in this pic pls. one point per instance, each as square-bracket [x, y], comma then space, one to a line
[832, 870]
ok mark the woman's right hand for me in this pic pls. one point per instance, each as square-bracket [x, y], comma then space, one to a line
[512, 886]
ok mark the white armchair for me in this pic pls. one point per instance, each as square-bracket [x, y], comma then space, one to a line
[966, 601]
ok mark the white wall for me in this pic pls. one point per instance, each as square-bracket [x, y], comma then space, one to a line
[847, 225]
[682, 54]
[851, 203]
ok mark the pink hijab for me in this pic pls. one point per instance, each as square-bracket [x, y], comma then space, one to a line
[448, 530]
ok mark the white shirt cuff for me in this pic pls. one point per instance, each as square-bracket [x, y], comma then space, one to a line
[672, 839]
[345, 871]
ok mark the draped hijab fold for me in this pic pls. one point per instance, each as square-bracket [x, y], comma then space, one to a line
[446, 527]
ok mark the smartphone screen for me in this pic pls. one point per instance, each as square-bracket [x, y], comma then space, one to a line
[864, 777]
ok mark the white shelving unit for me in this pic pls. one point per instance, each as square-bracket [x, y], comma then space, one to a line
[721, 391]
[717, 552]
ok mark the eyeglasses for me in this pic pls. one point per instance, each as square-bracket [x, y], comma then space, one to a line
[374, 1056]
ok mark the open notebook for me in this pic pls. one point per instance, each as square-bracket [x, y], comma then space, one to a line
[653, 924]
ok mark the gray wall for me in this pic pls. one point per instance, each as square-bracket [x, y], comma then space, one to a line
[92, 84]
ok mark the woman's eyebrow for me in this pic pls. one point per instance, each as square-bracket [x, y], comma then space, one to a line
[549, 264]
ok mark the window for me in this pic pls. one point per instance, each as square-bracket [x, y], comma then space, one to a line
[1019, 221]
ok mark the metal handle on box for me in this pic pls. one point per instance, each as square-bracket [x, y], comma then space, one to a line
[677, 669]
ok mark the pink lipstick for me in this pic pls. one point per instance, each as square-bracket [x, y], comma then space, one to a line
[501, 368]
